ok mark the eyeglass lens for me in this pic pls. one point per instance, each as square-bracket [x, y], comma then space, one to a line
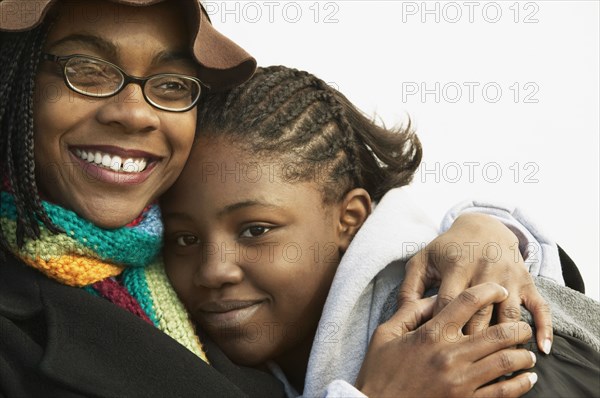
[101, 79]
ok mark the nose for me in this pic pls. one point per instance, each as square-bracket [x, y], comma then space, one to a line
[129, 110]
[220, 267]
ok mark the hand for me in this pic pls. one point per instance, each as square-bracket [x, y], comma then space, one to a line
[437, 359]
[477, 249]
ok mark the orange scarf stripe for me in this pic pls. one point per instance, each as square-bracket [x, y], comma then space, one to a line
[74, 270]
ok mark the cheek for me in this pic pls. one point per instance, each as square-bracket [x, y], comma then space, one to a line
[48, 126]
[55, 114]
[306, 282]
[180, 137]
[297, 277]
[55, 105]
[45, 121]
[180, 275]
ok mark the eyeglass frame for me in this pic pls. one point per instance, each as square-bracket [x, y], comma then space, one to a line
[127, 79]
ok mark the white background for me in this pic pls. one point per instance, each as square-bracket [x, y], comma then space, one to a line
[382, 54]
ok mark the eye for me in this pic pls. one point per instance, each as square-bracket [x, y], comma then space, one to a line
[171, 88]
[84, 72]
[187, 240]
[254, 231]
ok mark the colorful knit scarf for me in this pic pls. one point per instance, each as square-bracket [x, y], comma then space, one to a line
[121, 265]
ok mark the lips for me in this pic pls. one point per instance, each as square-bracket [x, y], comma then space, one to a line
[114, 165]
[115, 159]
[226, 314]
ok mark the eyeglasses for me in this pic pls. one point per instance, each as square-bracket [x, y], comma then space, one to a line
[98, 78]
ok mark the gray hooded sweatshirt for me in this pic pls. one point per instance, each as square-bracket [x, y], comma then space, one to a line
[363, 292]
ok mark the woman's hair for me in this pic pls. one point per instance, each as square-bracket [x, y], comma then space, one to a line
[19, 60]
[291, 115]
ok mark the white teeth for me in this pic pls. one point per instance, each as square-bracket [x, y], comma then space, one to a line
[131, 166]
[113, 162]
[106, 160]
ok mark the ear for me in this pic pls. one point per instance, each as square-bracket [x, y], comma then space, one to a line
[354, 210]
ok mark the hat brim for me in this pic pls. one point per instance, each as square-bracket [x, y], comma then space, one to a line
[223, 64]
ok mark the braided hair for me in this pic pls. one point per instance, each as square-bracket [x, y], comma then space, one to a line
[285, 113]
[19, 61]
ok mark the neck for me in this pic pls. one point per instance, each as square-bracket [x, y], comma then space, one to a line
[295, 362]
[82, 253]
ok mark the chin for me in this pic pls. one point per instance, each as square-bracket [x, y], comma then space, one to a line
[111, 217]
[113, 223]
[245, 354]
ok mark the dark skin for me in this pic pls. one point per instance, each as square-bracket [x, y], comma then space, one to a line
[233, 297]
[128, 123]
[287, 242]
[151, 42]
[456, 363]
[455, 273]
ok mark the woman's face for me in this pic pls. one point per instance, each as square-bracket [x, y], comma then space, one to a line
[250, 254]
[142, 41]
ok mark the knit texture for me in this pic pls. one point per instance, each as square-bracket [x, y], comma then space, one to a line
[121, 265]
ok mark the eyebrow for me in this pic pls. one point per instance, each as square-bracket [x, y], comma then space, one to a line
[164, 57]
[247, 203]
[110, 49]
[226, 210]
[98, 43]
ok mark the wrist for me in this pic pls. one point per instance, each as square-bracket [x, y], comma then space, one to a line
[485, 225]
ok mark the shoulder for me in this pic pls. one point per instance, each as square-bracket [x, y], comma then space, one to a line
[59, 340]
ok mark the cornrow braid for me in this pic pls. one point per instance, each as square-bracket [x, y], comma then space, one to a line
[290, 114]
[19, 61]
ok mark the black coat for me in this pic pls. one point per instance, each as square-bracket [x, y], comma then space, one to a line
[60, 341]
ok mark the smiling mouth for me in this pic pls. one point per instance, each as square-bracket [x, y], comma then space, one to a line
[112, 161]
[229, 314]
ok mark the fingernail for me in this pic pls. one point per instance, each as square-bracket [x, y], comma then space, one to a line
[533, 358]
[505, 291]
[532, 378]
[546, 346]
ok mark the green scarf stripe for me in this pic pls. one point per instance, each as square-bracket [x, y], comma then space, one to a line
[47, 245]
[134, 280]
[87, 253]
[172, 315]
[130, 246]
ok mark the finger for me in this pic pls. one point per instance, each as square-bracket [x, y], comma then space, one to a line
[542, 317]
[480, 320]
[510, 309]
[451, 286]
[496, 338]
[500, 363]
[415, 280]
[461, 309]
[407, 318]
[514, 387]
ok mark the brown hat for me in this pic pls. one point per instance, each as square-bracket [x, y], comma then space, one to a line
[223, 64]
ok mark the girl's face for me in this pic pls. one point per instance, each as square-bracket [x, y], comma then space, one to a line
[251, 256]
[142, 41]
